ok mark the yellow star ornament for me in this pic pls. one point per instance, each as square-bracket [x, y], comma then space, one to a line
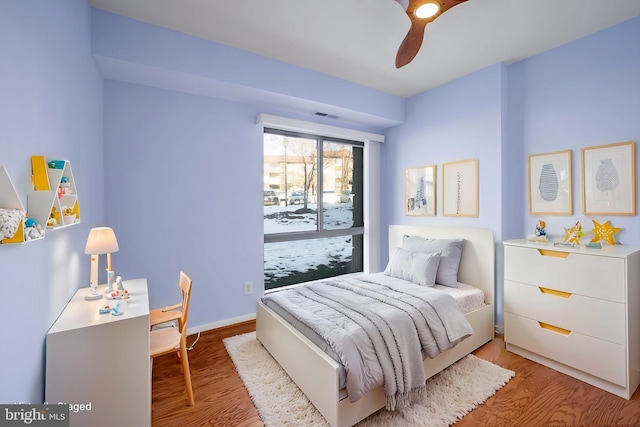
[604, 232]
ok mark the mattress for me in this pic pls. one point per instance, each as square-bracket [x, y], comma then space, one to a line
[468, 298]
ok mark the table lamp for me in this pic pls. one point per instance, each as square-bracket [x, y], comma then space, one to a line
[101, 240]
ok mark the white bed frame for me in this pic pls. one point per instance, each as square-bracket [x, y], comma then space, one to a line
[317, 375]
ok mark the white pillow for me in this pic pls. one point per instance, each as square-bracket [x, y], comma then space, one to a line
[416, 267]
[450, 249]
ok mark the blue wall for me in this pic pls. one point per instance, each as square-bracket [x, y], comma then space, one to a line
[183, 189]
[583, 94]
[460, 120]
[173, 114]
[51, 102]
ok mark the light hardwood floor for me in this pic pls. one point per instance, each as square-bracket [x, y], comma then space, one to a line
[537, 396]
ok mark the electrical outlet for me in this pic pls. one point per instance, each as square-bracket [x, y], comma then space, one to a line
[248, 288]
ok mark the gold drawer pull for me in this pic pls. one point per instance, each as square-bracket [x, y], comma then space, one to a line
[554, 292]
[557, 254]
[554, 328]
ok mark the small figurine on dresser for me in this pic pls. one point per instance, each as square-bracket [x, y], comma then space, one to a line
[540, 234]
[572, 235]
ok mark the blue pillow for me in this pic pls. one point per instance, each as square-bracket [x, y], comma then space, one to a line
[450, 253]
[416, 267]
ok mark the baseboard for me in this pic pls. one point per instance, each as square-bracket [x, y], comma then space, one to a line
[215, 325]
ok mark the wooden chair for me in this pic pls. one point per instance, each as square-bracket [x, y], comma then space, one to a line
[170, 313]
[169, 340]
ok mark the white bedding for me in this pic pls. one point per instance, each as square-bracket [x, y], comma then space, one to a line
[467, 298]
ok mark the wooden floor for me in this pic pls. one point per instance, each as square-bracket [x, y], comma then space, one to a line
[537, 396]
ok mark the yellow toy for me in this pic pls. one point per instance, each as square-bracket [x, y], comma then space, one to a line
[573, 234]
[604, 232]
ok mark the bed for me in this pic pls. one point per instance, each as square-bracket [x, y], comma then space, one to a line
[318, 375]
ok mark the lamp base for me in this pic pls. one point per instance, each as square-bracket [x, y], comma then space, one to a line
[92, 297]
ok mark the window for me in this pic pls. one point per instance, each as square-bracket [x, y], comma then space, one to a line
[316, 230]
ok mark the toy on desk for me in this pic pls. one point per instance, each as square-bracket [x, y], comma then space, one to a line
[123, 294]
[540, 234]
[573, 234]
[115, 311]
[119, 292]
[604, 232]
[105, 310]
[117, 284]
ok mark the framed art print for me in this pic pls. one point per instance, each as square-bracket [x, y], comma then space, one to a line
[550, 183]
[420, 191]
[608, 179]
[460, 188]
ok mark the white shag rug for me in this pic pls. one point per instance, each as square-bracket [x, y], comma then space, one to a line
[450, 395]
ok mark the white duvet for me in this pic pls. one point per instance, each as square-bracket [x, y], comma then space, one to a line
[379, 332]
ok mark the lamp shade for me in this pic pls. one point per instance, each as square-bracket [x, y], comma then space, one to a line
[101, 240]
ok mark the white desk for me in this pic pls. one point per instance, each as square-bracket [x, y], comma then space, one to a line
[102, 360]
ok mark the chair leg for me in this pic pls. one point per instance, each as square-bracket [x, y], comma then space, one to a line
[187, 373]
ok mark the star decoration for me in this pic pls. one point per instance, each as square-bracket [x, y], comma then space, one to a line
[604, 232]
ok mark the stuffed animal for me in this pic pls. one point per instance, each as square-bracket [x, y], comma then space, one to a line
[34, 232]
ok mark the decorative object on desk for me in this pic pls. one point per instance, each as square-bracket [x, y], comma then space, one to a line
[540, 234]
[115, 311]
[604, 232]
[117, 284]
[608, 179]
[592, 245]
[123, 294]
[573, 234]
[101, 240]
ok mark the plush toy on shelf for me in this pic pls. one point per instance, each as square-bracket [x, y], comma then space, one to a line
[32, 230]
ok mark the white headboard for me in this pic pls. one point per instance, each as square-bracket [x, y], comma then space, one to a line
[477, 265]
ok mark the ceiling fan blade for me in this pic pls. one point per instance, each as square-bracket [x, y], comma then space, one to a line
[413, 40]
[411, 44]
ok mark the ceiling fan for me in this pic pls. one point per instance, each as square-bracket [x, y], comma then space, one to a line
[421, 13]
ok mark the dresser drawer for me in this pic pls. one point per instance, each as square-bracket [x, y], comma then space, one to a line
[599, 358]
[589, 316]
[576, 273]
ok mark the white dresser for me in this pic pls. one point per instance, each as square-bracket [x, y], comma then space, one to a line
[576, 310]
[99, 363]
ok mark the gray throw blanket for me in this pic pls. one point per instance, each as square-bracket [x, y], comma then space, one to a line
[379, 332]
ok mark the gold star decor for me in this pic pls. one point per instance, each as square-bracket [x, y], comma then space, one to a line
[604, 232]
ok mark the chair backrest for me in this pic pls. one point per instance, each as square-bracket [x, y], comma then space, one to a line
[185, 287]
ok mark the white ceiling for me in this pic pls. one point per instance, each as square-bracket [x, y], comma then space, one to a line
[357, 40]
